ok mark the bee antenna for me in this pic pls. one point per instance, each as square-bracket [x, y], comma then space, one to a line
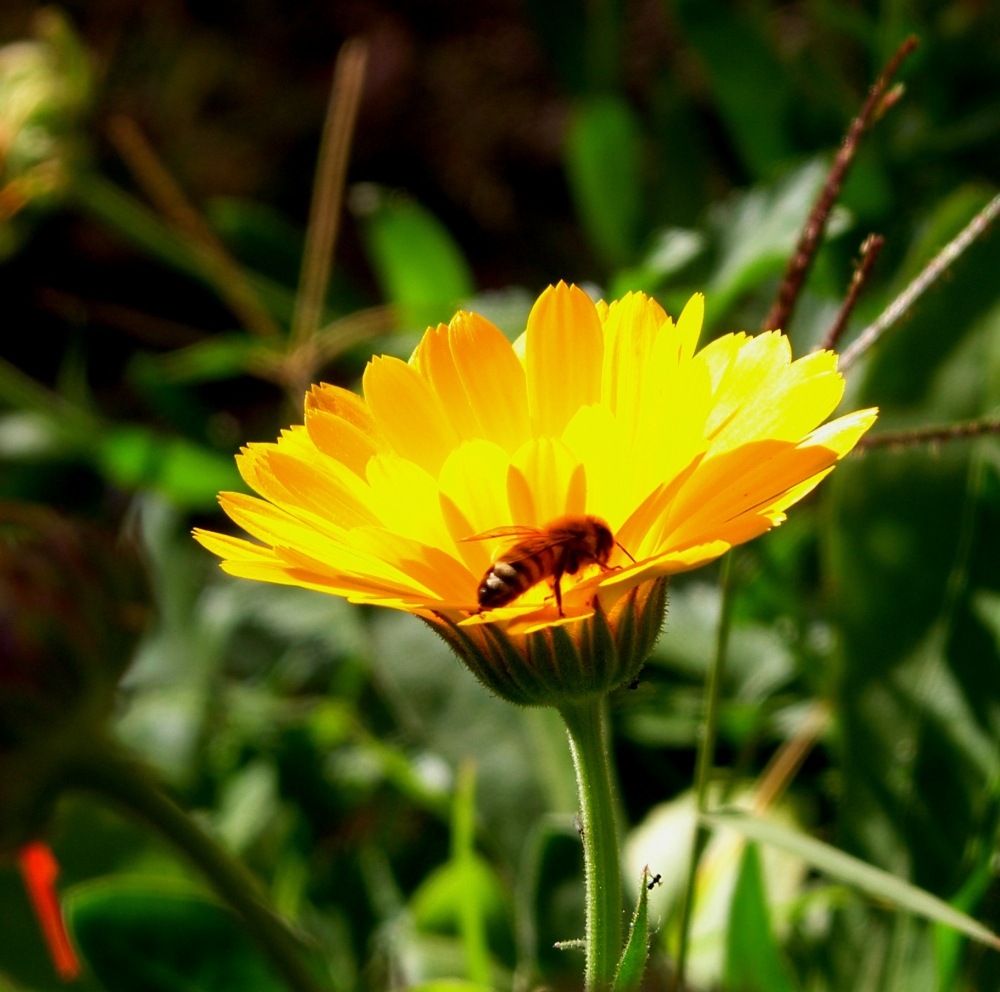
[622, 546]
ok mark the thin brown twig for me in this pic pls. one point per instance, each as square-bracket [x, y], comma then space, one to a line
[788, 759]
[930, 274]
[870, 249]
[805, 251]
[146, 327]
[170, 200]
[328, 189]
[932, 434]
[299, 366]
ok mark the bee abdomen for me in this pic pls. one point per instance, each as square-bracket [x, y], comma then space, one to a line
[505, 581]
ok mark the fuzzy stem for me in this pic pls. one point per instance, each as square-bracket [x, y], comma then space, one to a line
[109, 773]
[585, 723]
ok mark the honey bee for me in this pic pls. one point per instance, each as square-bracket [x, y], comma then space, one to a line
[560, 548]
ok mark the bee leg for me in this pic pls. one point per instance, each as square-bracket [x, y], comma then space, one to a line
[557, 589]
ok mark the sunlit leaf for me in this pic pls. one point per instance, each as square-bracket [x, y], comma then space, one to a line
[602, 162]
[632, 965]
[753, 959]
[842, 867]
[190, 475]
[418, 264]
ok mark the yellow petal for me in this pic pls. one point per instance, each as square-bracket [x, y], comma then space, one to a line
[564, 355]
[324, 487]
[405, 499]
[345, 404]
[595, 438]
[408, 413]
[232, 547]
[630, 330]
[473, 494]
[676, 403]
[493, 380]
[435, 362]
[340, 439]
[446, 578]
[689, 325]
[545, 481]
[765, 395]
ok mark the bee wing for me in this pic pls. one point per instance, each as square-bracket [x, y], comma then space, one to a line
[534, 544]
[492, 535]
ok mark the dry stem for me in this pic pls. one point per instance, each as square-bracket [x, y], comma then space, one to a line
[930, 275]
[805, 251]
[328, 189]
[930, 435]
[161, 187]
[870, 249]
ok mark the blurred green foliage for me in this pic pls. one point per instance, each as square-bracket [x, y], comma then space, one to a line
[669, 146]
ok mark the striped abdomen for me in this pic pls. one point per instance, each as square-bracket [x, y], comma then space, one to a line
[515, 573]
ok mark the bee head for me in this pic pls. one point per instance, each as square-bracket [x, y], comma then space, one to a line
[605, 541]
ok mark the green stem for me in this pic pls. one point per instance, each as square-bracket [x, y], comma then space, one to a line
[106, 771]
[706, 758]
[585, 723]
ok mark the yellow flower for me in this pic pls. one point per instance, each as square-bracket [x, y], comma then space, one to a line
[607, 411]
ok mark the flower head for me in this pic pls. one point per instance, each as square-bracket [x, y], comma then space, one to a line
[408, 496]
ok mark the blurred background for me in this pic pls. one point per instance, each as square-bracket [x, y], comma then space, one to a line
[156, 167]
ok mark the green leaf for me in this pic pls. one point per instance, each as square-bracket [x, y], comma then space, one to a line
[948, 943]
[602, 163]
[673, 248]
[222, 356]
[163, 937]
[188, 474]
[417, 262]
[628, 977]
[753, 959]
[753, 91]
[836, 864]
[757, 231]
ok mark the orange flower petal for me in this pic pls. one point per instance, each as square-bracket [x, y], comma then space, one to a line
[493, 379]
[434, 360]
[545, 481]
[409, 413]
[564, 356]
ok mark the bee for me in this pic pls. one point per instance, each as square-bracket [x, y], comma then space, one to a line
[560, 548]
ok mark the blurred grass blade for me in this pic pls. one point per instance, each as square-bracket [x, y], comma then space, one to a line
[879, 884]
[753, 959]
[463, 834]
[930, 275]
[602, 164]
[19, 391]
[222, 356]
[633, 961]
[328, 188]
[418, 265]
[948, 943]
[161, 187]
[123, 213]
